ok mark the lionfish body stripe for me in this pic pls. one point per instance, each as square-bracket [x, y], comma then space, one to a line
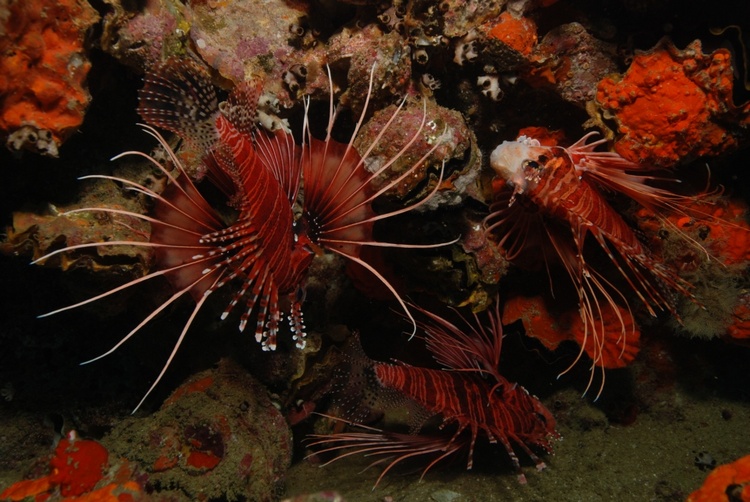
[266, 251]
[469, 392]
[468, 400]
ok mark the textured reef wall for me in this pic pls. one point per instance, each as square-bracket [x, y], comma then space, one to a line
[580, 166]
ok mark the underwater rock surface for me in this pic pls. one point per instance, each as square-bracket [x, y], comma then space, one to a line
[217, 436]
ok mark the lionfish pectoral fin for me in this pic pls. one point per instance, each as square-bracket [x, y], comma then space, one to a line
[385, 283]
[176, 347]
[148, 319]
[296, 323]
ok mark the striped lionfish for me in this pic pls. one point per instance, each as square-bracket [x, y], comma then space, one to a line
[265, 252]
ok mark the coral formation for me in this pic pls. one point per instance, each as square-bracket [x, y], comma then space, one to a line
[43, 69]
[710, 249]
[517, 33]
[572, 61]
[471, 76]
[165, 24]
[730, 482]
[672, 105]
[234, 39]
[457, 147]
[217, 435]
[35, 234]
[459, 17]
[80, 469]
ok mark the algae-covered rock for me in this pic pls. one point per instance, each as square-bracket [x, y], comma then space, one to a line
[217, 436]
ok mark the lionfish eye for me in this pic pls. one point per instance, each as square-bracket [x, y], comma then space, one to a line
[542, 159]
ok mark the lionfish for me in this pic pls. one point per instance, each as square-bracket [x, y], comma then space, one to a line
[264, 254]
[468, 394]
[552, 200]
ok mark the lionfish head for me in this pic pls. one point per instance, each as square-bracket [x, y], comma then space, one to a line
[519, 162]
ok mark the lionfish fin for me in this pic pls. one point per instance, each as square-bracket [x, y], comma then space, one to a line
[388, 448]
[474, 348]
[280, 155]
[178, 96]
[615, 173]
[296, 323]
[240, 108]
[604, 331]
[358, 394]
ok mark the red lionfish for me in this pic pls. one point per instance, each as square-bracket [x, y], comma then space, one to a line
[551, 187]
[469, 392]
[266, 251]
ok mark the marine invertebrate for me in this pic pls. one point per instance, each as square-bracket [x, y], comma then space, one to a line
[79, 469]
[490, 87]
[43, 72]
[430, 82]
[553, 326]
[717, 274]
[468, 393]
[445, 139]
[266, 251]
[239, 38]
[730, 482]
[552, 202]
[466, 49]
[672, 105]
[572, 61]
[76, 467]
[518, 33]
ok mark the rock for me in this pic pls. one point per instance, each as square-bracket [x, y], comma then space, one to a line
[217, 436]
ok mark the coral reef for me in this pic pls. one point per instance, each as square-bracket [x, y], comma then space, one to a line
[234, 39]
[649, 253]
[34, 234]
[164, 24]
[716, 267]
[457, 151]
[43, 69]
[517, 33]
[460, 16]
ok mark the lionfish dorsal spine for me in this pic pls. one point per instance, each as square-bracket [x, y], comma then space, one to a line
[281, 156]
[473, 348]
